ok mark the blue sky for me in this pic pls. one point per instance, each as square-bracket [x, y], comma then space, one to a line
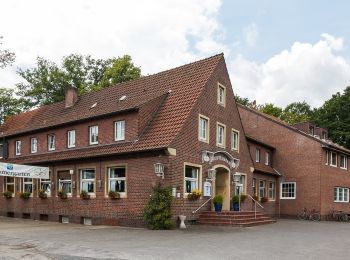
[276, 51]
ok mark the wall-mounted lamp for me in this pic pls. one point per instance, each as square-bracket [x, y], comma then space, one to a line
[211, 174]
[237, 178]
[159, 169]
[71, 172]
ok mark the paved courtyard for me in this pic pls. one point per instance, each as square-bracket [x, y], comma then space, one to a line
[287, 239]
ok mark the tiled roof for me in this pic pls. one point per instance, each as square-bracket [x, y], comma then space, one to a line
[184, 83]
[259, 167]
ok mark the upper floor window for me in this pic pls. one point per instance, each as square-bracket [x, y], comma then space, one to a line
[343, 162]
[191, 178]
[288, 190]
[1, 150]
[341, 194]
[87, 180]
[93, 130]
[120, 130]
[312, 130]
[33, 145]
[117, 179]
[220, 135]
[18, 147]
[71, 138]
[51, 142]
[257, 155]
[333, 159]
[203, 129]
[235, 140]
[267, 158]
[221, 95]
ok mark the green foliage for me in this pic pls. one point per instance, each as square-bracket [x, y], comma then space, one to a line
[8, 194]
[243, 101]
[42, 194]
[62, 194]
[84, 195]
[297, 112]
[243, 197]
[271, 109]
[157, 213]
[9, 104]
[25, 195]
[114, 195]
[6, 57]
[235, 199]
[218, 200]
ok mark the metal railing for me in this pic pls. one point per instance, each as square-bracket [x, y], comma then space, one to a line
[201, 206]
[255, 203]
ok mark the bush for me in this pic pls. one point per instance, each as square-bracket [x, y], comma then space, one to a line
[42, 194]
[62, 194]
[194, 195]
[157, 213]
[7, 194]
[243, 197]
[113, 195]
[218, 199]
[235, 199]
[25, 195]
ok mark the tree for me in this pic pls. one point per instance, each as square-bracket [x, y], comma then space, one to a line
[334, 115]
[271, 109]
[6, 57]
[47, 82]
[243, 101]
[10, 105]
[297, 112]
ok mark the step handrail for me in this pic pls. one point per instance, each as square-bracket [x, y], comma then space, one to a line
[255, 202]
[201, 206]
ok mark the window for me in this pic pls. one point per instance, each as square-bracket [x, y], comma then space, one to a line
[262, 185]
[267, 158]
[333, 159]
[65, 182]
[28, 185]
[221, 95]
[117, 180]
[288, 190]
[235, 140]
[241, 188]
[255, 192]
[71, 138]
[18, 147]
[341, 194]
[343, 162]
[1, 150]
[191, 178]
[10, 184]
[257, 155]
[203, 129]
[220, 135]
[272, 190]
[87, 180]
[51, 142]
[45, 185]
[119, 130]
[33, 145]
[327, 157]
[93, 130]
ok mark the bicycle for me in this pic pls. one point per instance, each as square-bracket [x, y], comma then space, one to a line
[337, 215]
[312, 215]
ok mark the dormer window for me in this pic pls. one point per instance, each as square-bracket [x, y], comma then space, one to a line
[221, 95]
[267, 159]
[343, 162]
[120, 130]
[312, 130]
[51, 142]
[33, 145]
[257, 155]
[18, 147]
[333, 159]
[71, 138]
[93, 130]
[1, 151]
[203, 129]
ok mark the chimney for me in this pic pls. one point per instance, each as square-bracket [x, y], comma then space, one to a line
[71, 96]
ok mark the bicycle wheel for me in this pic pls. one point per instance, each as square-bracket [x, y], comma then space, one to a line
[343, 217]
[302, 216]
[315, 217]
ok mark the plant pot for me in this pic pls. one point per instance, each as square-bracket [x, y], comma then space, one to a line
[218, 207]
[182, 223]
[235, 206]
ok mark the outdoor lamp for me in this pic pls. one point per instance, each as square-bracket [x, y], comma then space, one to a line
[71, 172]
[211, 174]
[236, 177]
[159, 169]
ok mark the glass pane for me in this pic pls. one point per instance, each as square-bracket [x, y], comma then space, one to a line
[10, 187]
[191, 172]
[88, 186]
[117, 185]
[66, 187]
[46, 187]
[88, 174]
[117, 172]
[28, 188]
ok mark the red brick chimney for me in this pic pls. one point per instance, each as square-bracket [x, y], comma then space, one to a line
[71, 96]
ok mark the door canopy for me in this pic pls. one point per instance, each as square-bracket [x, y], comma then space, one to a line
[210, 157]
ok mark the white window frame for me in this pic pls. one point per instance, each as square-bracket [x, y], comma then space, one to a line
[257, 155]
[33, 145]
[71, 139]
[221, 98]
[235, 140]
[294, 192]
[205, 130]
[67, 181]
[273, 190]
[1, 150]
[51, 142]
[6, 184]
[254, 187]
[87, 180]
[262, 188]
[267, 158]
[46, 181]
[327, 157]
[243, 181]
[18, 146]
[93, 132]
[331, 154]
[25, 182]
[109, 179]
[337, 193]
[119, 130]
[198, 180]
[218, 127]
[345, 167]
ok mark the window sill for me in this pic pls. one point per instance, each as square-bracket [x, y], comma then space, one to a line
[221, 146]
[203, 141]
[288, 198]
[345, 169]
[341, 201]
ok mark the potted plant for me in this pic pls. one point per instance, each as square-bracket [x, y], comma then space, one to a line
[264, 199]
[113, 195]
[8, 194]
[42, 194]
[218, 200]
[25, 195]
[62, 194]
[243, 197]
[194, 195]
[235, 203]
[84, 195]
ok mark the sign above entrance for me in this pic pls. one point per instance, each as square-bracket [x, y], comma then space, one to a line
[210, 157]
[24, 171]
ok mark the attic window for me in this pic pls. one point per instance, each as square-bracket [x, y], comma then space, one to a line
[122, 98]
[94, 105]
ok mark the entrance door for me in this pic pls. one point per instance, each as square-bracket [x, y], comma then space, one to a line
[222, 186]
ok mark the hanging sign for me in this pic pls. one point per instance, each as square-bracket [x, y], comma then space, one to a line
[24, 171]
[207, 189]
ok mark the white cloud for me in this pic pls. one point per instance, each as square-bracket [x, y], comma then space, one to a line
[251, 34]
[157, 34]
[311, 72]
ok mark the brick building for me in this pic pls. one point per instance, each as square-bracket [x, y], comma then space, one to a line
[313, 171]
[184, 119]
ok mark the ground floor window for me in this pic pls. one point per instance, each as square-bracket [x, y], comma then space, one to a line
[10, 184]
[28, 185]
[241, 188]
[117, 179]
[272, 190]
[341, 194]
[288, 190]
[45, 185]
[262, 190]
[255, 192]
[87, 180]
[191, 178]
[64, 182]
